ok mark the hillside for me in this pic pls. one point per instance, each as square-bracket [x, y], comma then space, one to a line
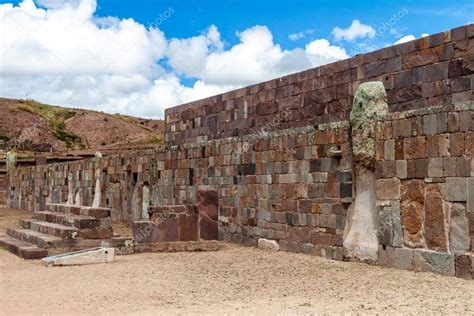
[31, 126]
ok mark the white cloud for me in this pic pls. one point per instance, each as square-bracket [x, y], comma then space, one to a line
[405, 39]
[62, 53]
[425, 35]
[322, 52]
[296, 36]
[356, 30]
[300, 35]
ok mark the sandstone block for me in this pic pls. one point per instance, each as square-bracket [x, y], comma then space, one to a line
[457, 144]
[388, 189]
[421, 168]
[459, 239]
[463, 168]
[436, 234]
[470, 195]
[456, 189]
[389, 149]
[412, 212]
[449, 166]
[385, 226]
[401, 166]
[463, 266]
[436, 262]
[414, 147]
[430, 124]
[435, 167]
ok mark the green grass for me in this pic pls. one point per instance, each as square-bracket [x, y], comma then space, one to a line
[54, 116]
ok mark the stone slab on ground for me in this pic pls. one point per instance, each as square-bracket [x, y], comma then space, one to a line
[87, 256]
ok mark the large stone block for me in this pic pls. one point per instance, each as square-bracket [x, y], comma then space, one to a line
[459, 240]
[436, 262]
[435, 167]
[456, 189]
[463, 266]
[412, 212]
[414, 147]
[436, 233]
[388, 189]
[470, 194]
[398, 258]
[188, 227]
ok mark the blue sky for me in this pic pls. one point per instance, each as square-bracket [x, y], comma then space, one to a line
[139, 57]
[287, 17]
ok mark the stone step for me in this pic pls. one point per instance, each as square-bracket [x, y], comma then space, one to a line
[71, 220]
[96, 212]
[64, 232]
[37, 238]
[67, 232]
[22, 249]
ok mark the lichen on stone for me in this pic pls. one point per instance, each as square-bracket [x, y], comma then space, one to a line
[370, 103]
[11, 159]
[97, 157]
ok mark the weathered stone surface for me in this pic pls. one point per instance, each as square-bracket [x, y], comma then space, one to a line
[470, 194]
[436, 222]
[268, 244]
[399, 258]
[208, 212]
[414, 147]
[389, 229]
[388, 189]
[412, 210]
[370, 102]
[401, 166]
[435, 167]
[430, 124]
[456, 189]
[188, 227]
[463, 266]
[436, 262]
[459, 240]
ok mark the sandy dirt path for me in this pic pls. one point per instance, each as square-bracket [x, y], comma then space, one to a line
[234, 280]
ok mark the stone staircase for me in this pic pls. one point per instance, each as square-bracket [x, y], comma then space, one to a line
[58, 229]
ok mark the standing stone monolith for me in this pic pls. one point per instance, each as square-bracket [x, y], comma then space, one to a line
[361, 240]
[70, 189]
[97, 191]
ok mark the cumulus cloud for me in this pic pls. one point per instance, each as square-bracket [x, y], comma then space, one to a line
[61, 52]
[354, 31]
[405, 39]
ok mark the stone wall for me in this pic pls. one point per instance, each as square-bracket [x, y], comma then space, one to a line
[3, 183]
[434, 70]
[425, 189]
[294, 185]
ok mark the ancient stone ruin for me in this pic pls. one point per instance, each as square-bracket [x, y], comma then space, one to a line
[368, 159]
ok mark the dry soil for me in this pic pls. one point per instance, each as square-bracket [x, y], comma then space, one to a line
[234, 280]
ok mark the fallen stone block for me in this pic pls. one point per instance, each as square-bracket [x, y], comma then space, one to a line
[88, 256]
[268, 244]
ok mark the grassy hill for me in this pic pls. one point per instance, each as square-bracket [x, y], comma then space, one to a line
[31, 126]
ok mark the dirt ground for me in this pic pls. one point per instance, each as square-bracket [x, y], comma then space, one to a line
[234, 280]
